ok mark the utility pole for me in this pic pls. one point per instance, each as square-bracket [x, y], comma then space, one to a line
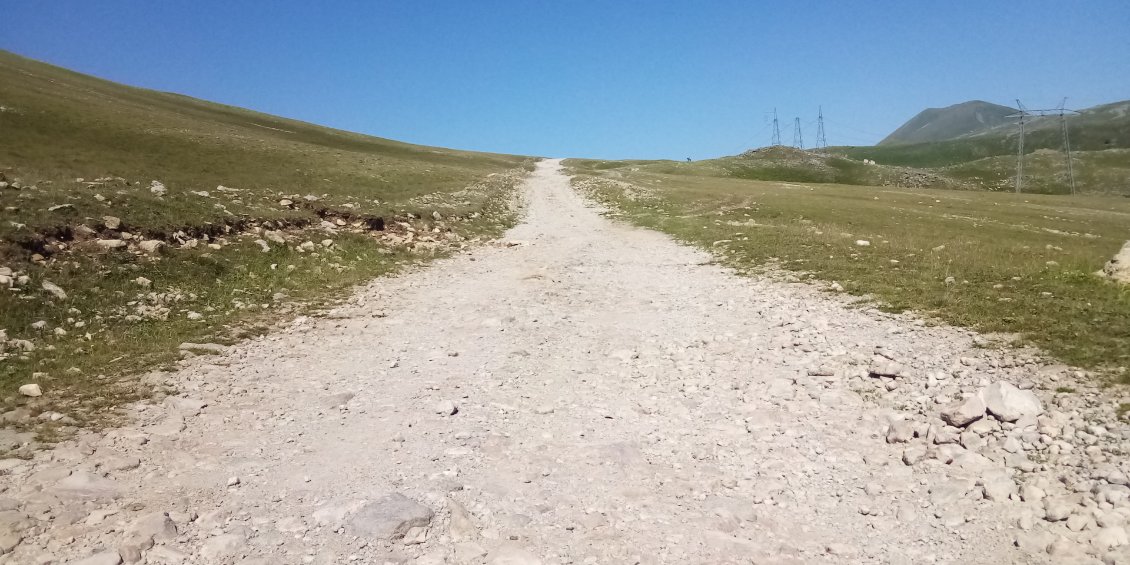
[776, 130]
[821, 142]
[1023, 113]
[798, 140]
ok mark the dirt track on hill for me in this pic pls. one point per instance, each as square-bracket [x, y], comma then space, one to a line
[617, 399]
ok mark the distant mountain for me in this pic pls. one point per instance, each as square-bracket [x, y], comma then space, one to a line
[959, 120]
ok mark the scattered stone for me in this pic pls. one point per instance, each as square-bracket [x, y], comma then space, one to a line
[22, 344]
[1077, 522]
[1035, 542]
[624, 355]
[415, 536]
[82, 484]
[913, 454]
[191, 406]
[900, 431]
[883, 367]
[389, 517]
[111, 222]
[210, 348]
[109, 557]
[129, 551]
[152, 526]
[151, 246]
[965, 412]
[223, 547]
[54, 290]
[1031, 493]
[509, 554]
[1058, 509]
[31, 389]
[469, 552]
[997, 485]
[1118, 268]
[862, 243]
[166, 554]
[109, 244]
[8, 541]
[120, 463]
[446, 408]
[841, 550]
[461, 526]
[156, 187]
[1110, 537]
[337, 400]
[333, 514]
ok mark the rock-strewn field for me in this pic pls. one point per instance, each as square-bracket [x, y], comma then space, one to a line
[586, 392]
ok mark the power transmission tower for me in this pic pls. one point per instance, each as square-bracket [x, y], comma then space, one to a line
[798, 140]
[821, 142]
[1024, 113]
[776, 129]
[1066, 143]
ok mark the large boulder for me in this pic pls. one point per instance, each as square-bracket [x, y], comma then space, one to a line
[1009, 403]
[389, 517]
[1118, 268]
[82, 484]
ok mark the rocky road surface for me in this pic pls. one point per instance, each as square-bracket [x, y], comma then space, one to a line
[588, 392]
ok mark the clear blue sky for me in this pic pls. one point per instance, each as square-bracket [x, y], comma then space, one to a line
[592, 78]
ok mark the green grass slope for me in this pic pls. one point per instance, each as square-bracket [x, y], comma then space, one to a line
[785, 164]
[58, 125]
[256, 217]
[1094, 129]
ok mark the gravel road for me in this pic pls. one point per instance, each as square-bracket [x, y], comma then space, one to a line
[583, 392]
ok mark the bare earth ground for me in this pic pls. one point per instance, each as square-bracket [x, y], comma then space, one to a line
[619, 400]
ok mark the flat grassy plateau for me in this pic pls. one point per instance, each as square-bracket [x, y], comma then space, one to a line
[1022, 265]
[164, 219]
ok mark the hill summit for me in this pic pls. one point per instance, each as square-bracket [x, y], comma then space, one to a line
[959, 120]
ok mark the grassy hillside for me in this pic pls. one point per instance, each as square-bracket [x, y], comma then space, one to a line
[160, 218]
[995, 262]
[1094, 129]
[785, 164]
[958, 120]
[1103, 172]
[58, 126]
